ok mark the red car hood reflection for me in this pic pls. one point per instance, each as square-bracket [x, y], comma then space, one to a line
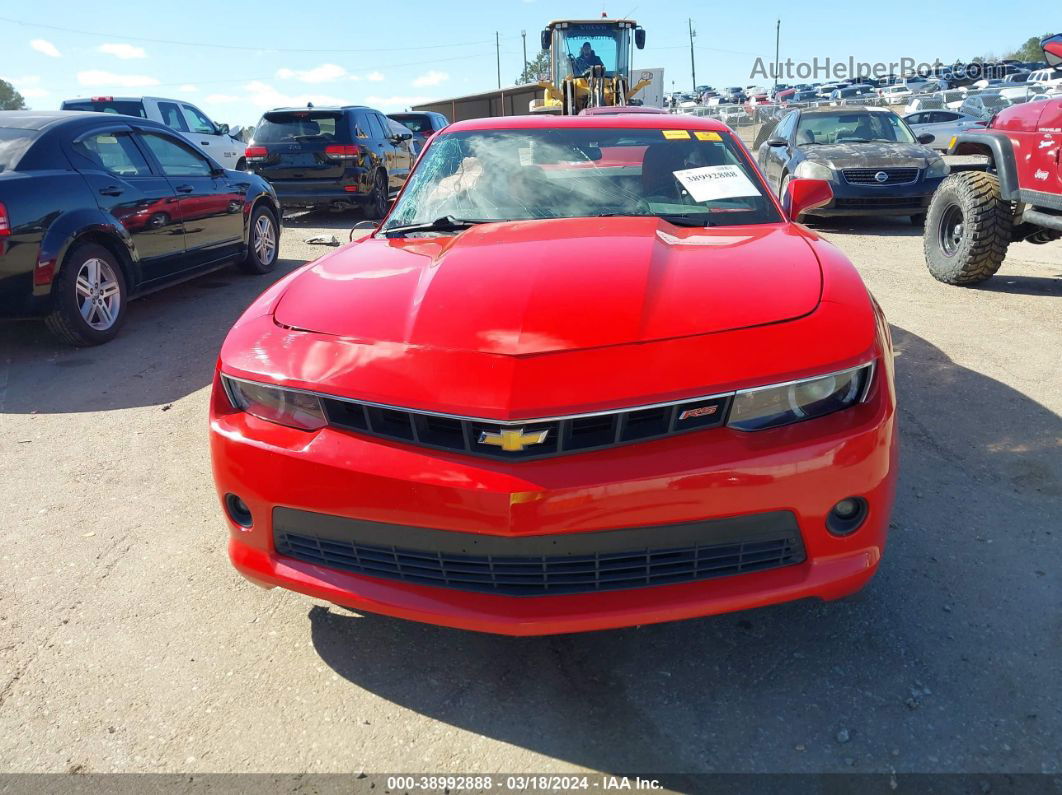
[534, 287]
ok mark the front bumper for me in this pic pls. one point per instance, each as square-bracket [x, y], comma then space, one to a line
[909, 199]
[803, 469]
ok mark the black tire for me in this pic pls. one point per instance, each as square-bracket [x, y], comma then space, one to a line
[968, 229]
[241, 164]
[377, 206]
[105, 310]
[918, 219]
[261, 257]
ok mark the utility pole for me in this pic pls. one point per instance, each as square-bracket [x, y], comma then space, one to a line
[693, 63]
[523, 35]
[777, 63]
[497, 54]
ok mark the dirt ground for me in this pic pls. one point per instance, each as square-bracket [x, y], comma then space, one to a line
[128, 643]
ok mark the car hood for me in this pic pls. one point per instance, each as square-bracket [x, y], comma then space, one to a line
[873, 154]
[534, 287]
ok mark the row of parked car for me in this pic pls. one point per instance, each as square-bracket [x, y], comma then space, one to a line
[336, 157]
[113, 197]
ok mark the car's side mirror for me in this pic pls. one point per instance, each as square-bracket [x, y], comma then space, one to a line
[926, 138]
[802, 195]
[639, 38]
[235, 131]
[546, 39]
[1052, 47]
[217, 171]
[777, 142]
[405, 136]
[223, 129]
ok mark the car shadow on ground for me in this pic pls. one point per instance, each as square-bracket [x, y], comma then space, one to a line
[1050, 286]
[165, 351]
[884, 226]
[324, 219]
[949, 660]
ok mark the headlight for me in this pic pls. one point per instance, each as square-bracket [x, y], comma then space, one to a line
[771, 406]
[274, 404]
[810, 170]
[938, 168]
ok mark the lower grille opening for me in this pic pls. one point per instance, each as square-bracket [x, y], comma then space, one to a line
[569, 563]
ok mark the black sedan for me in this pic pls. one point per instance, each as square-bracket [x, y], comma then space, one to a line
[96, 209]
[872, 159]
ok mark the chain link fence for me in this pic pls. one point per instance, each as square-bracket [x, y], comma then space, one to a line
[749, 120]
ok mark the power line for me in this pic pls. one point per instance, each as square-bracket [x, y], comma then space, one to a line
[322, 86]
[236, 46]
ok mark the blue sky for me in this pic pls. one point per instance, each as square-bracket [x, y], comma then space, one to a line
[236, 59]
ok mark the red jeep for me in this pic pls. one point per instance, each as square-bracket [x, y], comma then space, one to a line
[974, 214]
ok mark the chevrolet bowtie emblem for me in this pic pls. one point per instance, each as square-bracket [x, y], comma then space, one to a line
[513, 441]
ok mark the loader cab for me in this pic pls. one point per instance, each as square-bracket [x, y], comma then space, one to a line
[610, 43]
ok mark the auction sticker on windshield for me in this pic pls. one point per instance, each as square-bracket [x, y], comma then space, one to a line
[716, 182]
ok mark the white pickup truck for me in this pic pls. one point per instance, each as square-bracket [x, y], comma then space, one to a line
[217, 140]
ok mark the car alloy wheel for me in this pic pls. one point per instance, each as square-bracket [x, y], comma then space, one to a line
[379, 195]
[98, 294]
[265, 238]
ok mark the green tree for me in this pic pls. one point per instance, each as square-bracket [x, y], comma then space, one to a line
[9, 98]
[1030, 50]
[535, 70]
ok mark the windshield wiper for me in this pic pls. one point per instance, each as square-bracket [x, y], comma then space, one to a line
[686, 219]
[678, 219]
[445, 224]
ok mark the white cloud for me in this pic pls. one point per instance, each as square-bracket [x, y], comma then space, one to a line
[262, 95]
[46, 47]
[394, 103]
[100, 78]
[325, 73]
[374, 77]
[28, 86]
[188, 88]
[431, 78]
[123, 51]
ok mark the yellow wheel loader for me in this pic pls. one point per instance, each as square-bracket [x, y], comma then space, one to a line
[590, 64]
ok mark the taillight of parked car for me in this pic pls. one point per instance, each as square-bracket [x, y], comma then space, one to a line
[5, 224]
[342, 152]
[255, 153]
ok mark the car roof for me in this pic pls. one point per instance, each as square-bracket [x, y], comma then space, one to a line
[326, 108]
[43, 119]
[868, 108]
[636, 121]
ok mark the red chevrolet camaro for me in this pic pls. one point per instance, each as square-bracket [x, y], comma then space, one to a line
[586, 374]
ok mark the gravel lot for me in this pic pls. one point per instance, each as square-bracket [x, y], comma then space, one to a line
[128, 643]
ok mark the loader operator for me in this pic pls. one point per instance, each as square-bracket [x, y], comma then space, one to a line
[586, 58]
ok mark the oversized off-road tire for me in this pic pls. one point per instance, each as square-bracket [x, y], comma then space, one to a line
[89, 297]
[968, 228]
[263, 242]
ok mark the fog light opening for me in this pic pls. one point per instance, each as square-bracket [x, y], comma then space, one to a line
[238, 511]
[846, 516]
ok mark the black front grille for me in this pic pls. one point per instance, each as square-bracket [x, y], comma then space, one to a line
[531, 439]
[542, 565]
[868, 176]
[884, 202]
